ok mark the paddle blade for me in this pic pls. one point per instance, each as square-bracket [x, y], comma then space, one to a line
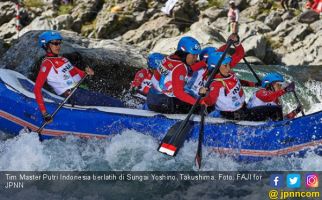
[198, 161]
[174, 139]
[167, 149]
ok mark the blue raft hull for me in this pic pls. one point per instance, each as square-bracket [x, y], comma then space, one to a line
[244, 140]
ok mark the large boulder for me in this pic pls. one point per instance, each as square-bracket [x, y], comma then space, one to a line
[308, 17]
[160, 27]
[85, 11]
[297, 34]
[8, 30]
[110, 60]
[308, 54]
[316, 26]
[273, 20]
[7, 12]
[185, 13]
[205, 34]
[114, 20]
[255, 46]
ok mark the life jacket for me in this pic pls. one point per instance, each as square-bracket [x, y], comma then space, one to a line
[143, 81]
[231, 95]
[254, 101]
[62, 75]
[164, 85]
[195, 82]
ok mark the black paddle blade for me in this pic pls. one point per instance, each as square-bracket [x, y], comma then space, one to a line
[173, 140]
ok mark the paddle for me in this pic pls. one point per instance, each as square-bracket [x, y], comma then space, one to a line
[175, 137]
[198, 157]
[59, 107]
[252, 70]
[298, 102]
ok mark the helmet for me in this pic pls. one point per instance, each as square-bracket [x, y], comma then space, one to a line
[206, 51]
[154, 60]
[213, 59]
[189, 44]
[271, 78]
[231, 2]
[48, 36]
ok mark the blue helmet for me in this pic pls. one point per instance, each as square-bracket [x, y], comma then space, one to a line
[213, 59]
[206, 51]
[189, 45]
[154, 60]
[271, 78]
[48, 36]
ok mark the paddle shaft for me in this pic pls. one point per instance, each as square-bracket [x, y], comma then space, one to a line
[298, 102]
[215, 71]
[251, 69]
[61, 104]
[198, 157]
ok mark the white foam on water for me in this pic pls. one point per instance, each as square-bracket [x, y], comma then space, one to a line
[23, 153]
[130, 151]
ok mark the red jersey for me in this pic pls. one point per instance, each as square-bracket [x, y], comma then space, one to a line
[59, 73]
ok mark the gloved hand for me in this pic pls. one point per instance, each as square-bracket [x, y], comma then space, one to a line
[89, 71]
[133, 89]
[234, 38]
[258, 84]
[298, 109]
[47, 117]
[290, 87]
[202, 91]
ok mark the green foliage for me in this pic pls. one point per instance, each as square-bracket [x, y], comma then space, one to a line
[65, 9]
[216, 3]
[33, 3]
[274, 44]
[88, 27]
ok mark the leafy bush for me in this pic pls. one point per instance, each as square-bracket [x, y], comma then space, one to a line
[33, 3]
[65, 9]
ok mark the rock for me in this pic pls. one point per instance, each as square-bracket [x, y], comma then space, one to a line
[308, 17]
[157, 28]
[316, 26]
[2, 48]
[113, 24]
[273, 20]
[251, 12]
[287, 15]
[110, 60]
[64, 22]
[184, 13]
[8, 30]
[310, 54]
[40, 23]
[255, 46]
[86, 10]
[202, 4]
[297, 34]
[206, 35]
[7, 12]
[213, 13]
